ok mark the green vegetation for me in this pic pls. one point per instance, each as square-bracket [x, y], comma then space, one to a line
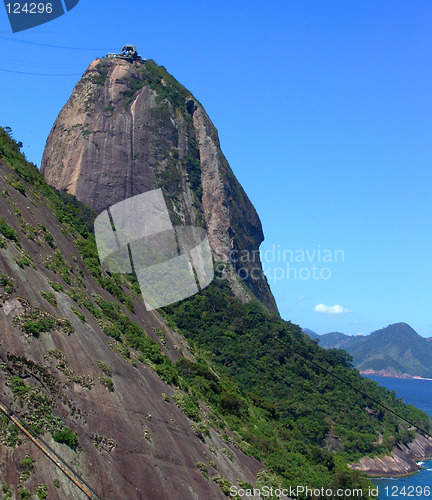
[193, 169]
[65, 207]
[39, 406]
[47, 236]
[7, 231]
[227, 453]
[123, 329]
[170, 89]
[66, 436]
[34, 321]
[79, 314]
[203, 468]
[7, 287]
[30, 232]
[7, 493]
[101, 75]
[49, 297]
[111, 283]
[27, 467]
[262, 353]
[158, 79]
[57, 263]
[109, 109]
[105, 367]
[86, 381]
[188, 404]
[23, 259]
[38, 325]
[42, 491]
[107, 382]
[25, 494]
[16, 184]
[9, 432]
[223, 483]
[386, 349]
[57, 287]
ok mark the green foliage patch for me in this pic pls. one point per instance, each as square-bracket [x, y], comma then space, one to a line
[7, 287]
[9, 432]
[188, 404]
[7, 231]
[65, 207]
[23, 259]
[49, 297]
[34, 321]
[37, 409]
[66, 436]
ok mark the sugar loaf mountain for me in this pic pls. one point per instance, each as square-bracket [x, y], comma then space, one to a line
[103, 399]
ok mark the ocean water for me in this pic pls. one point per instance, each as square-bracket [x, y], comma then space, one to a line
[416, 392]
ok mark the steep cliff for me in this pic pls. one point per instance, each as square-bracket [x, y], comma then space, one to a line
[131, 127]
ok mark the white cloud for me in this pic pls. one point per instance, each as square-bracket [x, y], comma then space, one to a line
[334, 310]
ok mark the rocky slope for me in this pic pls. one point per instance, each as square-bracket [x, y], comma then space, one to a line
[131, 127]
[59, 370]
[401, 462]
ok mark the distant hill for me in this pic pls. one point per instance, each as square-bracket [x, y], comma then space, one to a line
[311, 334]
[396, 350]
[334, 340]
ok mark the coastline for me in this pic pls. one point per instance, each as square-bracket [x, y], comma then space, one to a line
[402, 462]
[391, 374]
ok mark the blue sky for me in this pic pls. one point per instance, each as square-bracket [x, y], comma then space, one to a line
[324, 111]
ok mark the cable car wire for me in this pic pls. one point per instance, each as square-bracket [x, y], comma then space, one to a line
[40, 44]
[420, 429]
[38, 74]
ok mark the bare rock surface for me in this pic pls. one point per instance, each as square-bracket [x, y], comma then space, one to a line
[401, 462]
[131, 127]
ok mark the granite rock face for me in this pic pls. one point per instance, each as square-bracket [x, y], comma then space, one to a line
[401, 462]
[131, 127]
